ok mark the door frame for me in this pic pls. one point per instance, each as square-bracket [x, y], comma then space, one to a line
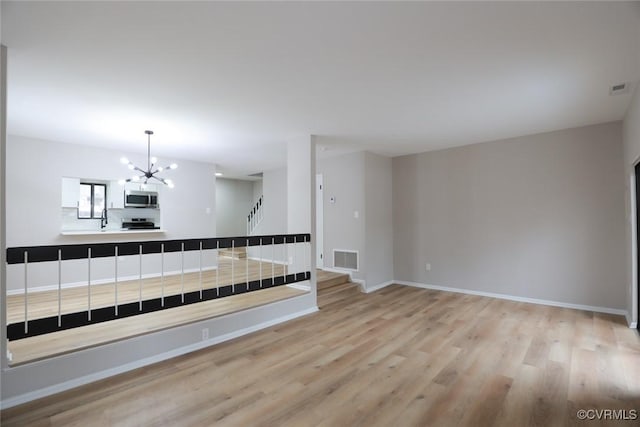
[634, 211]
[319, 221]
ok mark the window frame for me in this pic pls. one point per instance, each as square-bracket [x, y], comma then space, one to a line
[92, 214]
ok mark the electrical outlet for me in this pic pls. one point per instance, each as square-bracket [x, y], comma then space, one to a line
[205, 334]
[427, 267]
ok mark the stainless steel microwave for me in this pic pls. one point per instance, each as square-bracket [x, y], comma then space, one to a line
[140, 199]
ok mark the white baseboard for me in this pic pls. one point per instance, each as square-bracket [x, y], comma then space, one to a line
[607, 310]
[299, 286]
[104, 281]
[378, 286]
[58, 388]
[338, 270]
[630, 322]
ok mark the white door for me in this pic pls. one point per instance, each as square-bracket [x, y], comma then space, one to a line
[319, 223]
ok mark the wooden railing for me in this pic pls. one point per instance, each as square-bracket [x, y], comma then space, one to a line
[297, 270]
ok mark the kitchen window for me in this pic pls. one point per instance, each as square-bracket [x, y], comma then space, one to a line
[93, 200]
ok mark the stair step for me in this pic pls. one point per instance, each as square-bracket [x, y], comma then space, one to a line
[235, 253]
[328, 279]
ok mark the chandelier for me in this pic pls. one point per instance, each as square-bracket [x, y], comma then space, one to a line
[152, 169]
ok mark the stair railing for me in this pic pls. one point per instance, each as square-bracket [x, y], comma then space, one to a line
[255, 216]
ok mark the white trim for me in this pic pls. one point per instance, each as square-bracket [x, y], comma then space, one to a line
[607, 310]
[378, 286]
[630, 322]
[58, 388]
[635, 310]
[104, 281]
[319, 236]
[299, 286]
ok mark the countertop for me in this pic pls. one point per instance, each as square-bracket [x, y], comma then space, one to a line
[118, 231]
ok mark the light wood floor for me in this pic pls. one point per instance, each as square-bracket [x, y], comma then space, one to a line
[44, 304]
[397, 357]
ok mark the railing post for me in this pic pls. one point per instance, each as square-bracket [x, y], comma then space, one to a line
[26, 297]
[200, 276]
[295, 249]
[182, 272]
[217, 268]
[260, 262]
[140, 279]
[116, 279]
[59, 288]
[273, 260]
[233, 280]
[162, 274]
[246, 270]
[89, 284]
[307, 263]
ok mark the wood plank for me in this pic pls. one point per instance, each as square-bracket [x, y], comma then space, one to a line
[393, 357]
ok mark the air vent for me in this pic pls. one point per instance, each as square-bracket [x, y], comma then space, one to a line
[345, 259]
[257, 175]
[619, 88]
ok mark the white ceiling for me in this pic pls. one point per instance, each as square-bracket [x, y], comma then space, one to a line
[230, 83]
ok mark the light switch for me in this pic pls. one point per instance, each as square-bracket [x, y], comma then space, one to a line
[356, 214]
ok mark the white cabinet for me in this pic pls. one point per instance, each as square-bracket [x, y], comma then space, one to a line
[70, 192]
[115, 198]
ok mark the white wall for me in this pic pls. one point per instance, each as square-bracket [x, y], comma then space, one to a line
[359, 182]
[378, 220]
[631, 137]
[539, 216]
[344, 181]
[234, 200]
[257, 190]
[34, 215]
[301, 201]
[274, 189]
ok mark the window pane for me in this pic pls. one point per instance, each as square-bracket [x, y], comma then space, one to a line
[99, 201]
[84, 205]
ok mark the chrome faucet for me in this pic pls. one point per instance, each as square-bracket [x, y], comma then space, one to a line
[103, 219]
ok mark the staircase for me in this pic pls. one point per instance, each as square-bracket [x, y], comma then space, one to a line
[329, 279]
[255, 216]
[235, 253]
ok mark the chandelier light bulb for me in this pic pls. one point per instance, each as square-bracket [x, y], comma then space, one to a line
[148, 171]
